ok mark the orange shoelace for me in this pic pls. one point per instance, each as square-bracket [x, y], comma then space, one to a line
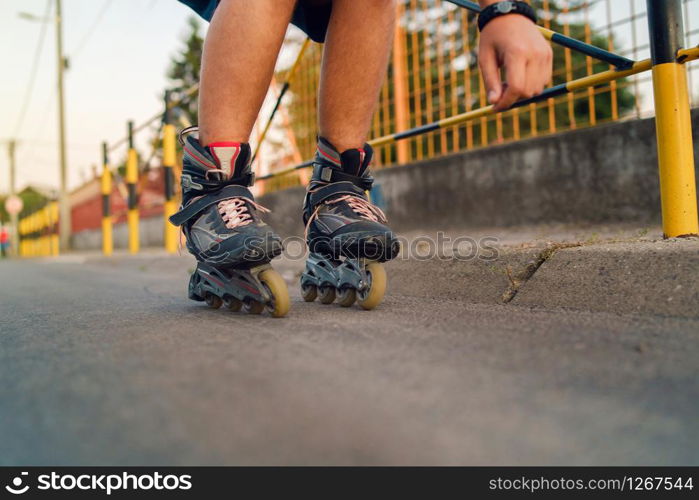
[361, 207]
[235, 211]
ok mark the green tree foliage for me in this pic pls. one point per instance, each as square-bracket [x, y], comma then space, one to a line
[433, 38]
[185, 68]
[422, 32]
[33, 200]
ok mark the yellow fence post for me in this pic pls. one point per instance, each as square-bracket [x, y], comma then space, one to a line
[107, 229]
[171, 233]
[400, 85]
[672, 116]
[45, 240]
[21, 225]
[132, 183]
[54, 237]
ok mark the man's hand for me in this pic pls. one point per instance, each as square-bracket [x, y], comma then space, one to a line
[514, 43]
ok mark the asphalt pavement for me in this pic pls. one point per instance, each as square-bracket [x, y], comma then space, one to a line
[106, 362]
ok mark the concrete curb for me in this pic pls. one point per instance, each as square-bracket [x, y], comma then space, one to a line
[632, 276]
[657, 278]
[641, 277]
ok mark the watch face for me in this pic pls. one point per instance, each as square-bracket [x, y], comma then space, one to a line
[505, 7]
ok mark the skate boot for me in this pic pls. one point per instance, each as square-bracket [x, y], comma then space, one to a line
[222, 224]
[347, 236]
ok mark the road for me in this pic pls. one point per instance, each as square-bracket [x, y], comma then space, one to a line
[107, 362]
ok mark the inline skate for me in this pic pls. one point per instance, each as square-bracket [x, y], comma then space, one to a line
[221, 222]
[347, 235]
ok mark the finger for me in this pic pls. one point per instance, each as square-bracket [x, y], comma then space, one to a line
[515, 69]
[544, 71]
[490, 70]
[533, 71]
[537, 78]
[543, 76]
[547, 70]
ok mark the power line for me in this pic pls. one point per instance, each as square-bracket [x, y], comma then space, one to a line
[34, 70]
[91, 31]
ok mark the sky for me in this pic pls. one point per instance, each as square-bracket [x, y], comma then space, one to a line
[117, 72]
[119, 53]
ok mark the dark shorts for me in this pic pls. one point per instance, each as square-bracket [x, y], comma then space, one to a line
[312, 19]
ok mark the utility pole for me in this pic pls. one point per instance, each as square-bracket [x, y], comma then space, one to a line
[63, 196]
[11, 147]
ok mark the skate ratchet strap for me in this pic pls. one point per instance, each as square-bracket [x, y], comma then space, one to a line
[331, 175]
[319, 195]
[198, 206]
[194, 180]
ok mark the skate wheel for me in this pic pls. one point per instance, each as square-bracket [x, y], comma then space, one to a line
[346, 297]
[327, 294]
[232, 304]
[377, 286]
[276, 286]
[309, 292]
[213, 301]
[253, 307]
[193, 286]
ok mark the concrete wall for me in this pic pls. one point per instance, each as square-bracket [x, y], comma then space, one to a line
[599, 175]
[603, 174]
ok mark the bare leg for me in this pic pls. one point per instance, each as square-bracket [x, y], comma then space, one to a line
[355, 59]
[240, 52]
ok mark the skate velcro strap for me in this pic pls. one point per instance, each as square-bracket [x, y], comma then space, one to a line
[321, 194]
[198, 206]
[328, 174]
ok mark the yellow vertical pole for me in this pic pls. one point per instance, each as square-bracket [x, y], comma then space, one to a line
[453, 81]
[426, 71]
[20, 239]
[613, 83]
[483, 103]
[107, 229]
[674, 130]
[386, 126]
[45, 250]
[171, 234]
[588, 65]
[54, 228]
[131, 183]
[551, 102]
[32, 235]
[400, 85]
[569, 71]
[467, 77]
[47, 230]
[416, 71]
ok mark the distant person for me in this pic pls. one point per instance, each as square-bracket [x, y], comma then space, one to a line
[347, 235]
[4, 241]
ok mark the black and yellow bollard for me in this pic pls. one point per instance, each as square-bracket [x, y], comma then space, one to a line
[674, 129]
[171, 234]
[107, 229]
[55, 237]
[132, 216]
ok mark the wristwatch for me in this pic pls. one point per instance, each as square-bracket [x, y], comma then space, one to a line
[504, 8]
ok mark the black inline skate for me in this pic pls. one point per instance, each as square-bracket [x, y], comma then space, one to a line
[347, 235]
[222, 224]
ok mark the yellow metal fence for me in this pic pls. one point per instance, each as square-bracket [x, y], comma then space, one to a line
[434, 75]
[39, 232]
[434, 103]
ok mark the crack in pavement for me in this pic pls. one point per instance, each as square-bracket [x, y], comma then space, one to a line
[518, 280]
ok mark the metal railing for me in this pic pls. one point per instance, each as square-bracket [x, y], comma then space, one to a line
[433, 102]
[39, 232]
